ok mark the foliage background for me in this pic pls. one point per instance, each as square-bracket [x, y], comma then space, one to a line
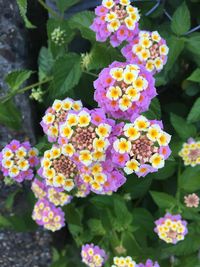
[124, 222]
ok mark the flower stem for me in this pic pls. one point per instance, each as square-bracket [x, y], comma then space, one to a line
[20, 91]
[50, 11]
[90, 73]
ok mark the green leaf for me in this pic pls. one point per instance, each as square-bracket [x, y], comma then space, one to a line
[143, 219]
[176, 46]
[10, 115]
[193, 44]
[124, 217]
[16, 78]
[181, 20]
[183, 129]
[103, 55]
[195, 76]
[96, 227]
[10, 199]
[63, 5]
[166, 172]
[45, 62]
[163, 200]
[82, 21]
[190, 179]
[66, 72]
[194, 115]
[4, 222]
[154, 111]
[22, 4]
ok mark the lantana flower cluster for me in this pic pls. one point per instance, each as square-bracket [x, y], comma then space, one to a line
[141, 147]
[17, 160]
[93, 256]
[116, 20]
[124, 90]
[190, 153]
[56, 114]
[124, 262]
[148, 49]
[48, 216]
[171, 228]
[149, 263]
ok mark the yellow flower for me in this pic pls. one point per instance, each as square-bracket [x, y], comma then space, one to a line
[33, 152]
[69, 185]
[145, 42]
[130, 23]
[131, 166]
[7, 153]
[84, 119]
[96, 168]
[144, 54]
[158, 63]
[164, 139]
[23, 165]
[13, 171]
[125, 2]
[21, 152]
[155, 36]
[98, 156]
[72, 119]
[57, 105]
[53, 131]
[59, 180]
[129, 76]
[67, 104]
[157, 161]
[122, 146]
[66, 131]
[55, 152]
[164, 50]
[117, 74]
[114, 93]
[68, 150]
[85, 157]
[103, 130]
[141, 123]
[111, 16]
[49, 173]
[108, 3]
[133, 93]
[100, 178]
[100, 144]
[131, 132]
[137, 49]
[7, 163]
[140, 84]
[150, 65]
[125, 103]
[77, 105]
[154, 133]
[114, 25]
[48, 118]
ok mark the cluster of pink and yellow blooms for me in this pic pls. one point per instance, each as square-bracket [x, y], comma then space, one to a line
[94, 256]
[92, 150]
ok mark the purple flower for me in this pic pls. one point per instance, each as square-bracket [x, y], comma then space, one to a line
[149, 263]
[17, 160]
[124, 90]
[48, 216]
[171, 228]
[93, 256]
[149, 49]
[116, 20]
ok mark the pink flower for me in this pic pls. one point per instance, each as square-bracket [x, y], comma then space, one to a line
[191, 201]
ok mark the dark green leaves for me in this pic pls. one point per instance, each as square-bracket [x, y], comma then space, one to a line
[194, 115]
[45, 62]
[183, 129]
[63, 5]
[163, 200]
[66, 72]
[22, 4]
[195, 76]
[193, 44]
[16, 78]
[181, 20]
[190, 179]
[82, 21]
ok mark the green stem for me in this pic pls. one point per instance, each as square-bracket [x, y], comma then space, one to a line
[178, 193]
[50, 11]
[90, 73]
[20, 91]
